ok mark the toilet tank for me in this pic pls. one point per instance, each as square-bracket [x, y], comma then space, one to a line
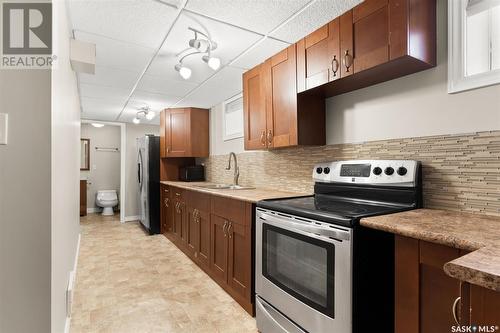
[107, 195]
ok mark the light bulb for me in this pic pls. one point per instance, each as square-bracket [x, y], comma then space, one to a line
[150, 115]
[97, 125]
[184, 72]
[212, 62]
[136, 121]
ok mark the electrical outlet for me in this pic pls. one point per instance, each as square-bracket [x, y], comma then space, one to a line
[4, 126]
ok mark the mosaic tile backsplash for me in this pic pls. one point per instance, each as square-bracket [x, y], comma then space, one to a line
[460, 172]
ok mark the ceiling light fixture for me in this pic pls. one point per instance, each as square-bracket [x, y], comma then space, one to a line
[200, 45]
[144, 112]
[97, 125]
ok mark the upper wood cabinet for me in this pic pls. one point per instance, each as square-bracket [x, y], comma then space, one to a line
[379, 39]
[184, 132]
[275, 116]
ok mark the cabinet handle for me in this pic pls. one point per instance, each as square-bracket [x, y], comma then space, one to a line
[270, 137]
[178, 194]
[347, 60]
[229, 228]
[168, 150]
[454, 310]
[263, 138]
[224, 228]
[166, 202]
[335, 65]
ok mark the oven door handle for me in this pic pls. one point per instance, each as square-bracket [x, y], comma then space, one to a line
[315, 230]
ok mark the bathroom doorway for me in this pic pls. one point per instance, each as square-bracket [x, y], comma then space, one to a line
[103, 173]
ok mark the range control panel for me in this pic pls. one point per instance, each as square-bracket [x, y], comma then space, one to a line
[376, 172]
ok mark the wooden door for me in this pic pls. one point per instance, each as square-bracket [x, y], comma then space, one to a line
[239, 259]
[318, 57]
[192, 232]
[204, 239]
[484, 307]
[179, 221]
[178, 136]
[346, 44]
[280, 85]
[254, 108]
[371, 34]
[218, 248]
[163, 136]
[166, 219]
[83, 197]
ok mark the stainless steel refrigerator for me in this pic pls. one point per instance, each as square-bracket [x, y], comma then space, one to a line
[148, 177]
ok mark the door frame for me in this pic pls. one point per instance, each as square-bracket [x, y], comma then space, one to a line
[123, 149]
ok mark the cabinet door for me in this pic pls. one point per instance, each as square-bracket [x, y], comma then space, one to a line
[166, 217]
[280, 85]
[178, 138]
[254, 108]
[484, 306]
[179, 221]
[371, 34]
[318, 57]
[346, 44]
[218, 248]
[240, 259]
[163, 137]
[204, 239]
[192, 233]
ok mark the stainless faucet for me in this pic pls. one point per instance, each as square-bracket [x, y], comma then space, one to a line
[236, 168]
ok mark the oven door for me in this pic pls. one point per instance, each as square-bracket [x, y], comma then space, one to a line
[304, 270]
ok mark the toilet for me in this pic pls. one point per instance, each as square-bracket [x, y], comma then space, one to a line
[107, 199]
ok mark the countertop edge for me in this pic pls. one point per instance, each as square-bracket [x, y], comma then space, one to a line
[471, 275]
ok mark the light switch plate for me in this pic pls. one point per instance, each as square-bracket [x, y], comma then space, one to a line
[4, 126]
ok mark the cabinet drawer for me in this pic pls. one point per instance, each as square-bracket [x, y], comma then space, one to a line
[230, 209]
[200, 201]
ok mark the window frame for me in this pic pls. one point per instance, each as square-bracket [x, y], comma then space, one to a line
[224, 104]
[457, 79]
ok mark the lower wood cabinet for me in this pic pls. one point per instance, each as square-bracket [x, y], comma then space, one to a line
[427, 300]
[216, 233]
[166, 224]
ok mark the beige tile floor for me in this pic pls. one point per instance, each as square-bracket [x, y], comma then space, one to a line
[128, 281]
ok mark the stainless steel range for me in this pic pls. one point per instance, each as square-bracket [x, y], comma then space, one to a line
[317, 270]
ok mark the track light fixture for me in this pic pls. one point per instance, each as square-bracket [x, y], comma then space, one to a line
[144, 112]
[200, 45]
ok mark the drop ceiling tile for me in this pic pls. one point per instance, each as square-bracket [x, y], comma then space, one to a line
[98, 115]
[160, 85]
[117, 54]
[156, 102]
[110, 77]
[258, 15]
[110, 93]
[225, 84]
[130, 112]
[259, 53]
[101, 109]
[142, 22]
[313, 17]
[231, 42]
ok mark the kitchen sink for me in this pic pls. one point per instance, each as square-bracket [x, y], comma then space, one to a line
[225, 187]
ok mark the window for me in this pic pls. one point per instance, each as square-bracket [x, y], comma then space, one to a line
[232, 118]
[474, 44]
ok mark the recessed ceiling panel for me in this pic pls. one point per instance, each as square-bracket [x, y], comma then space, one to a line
[142, 22]
[225, 84]
[258, 15]
[156, 102]
[160, 85]
[111, 93]
[117, 54]
[110, 77]
[313, 17]
[259, 53]
[231, 42]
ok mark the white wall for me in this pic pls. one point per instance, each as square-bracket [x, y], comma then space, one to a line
[104, 173]
[65, 169]
[25, 202]
[132, 188]
[412, 106]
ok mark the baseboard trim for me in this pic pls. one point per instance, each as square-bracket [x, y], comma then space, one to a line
[72, 276]
[131, 218]
[93, 210]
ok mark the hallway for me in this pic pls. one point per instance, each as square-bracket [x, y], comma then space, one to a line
[130, 282]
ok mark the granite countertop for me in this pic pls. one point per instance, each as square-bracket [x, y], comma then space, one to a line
[249, 195]
[477, 233]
